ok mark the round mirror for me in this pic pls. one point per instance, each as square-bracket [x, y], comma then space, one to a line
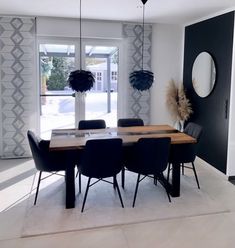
[203, 74]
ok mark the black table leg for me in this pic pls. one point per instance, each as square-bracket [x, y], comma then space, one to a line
[70, 186]
[175, 186]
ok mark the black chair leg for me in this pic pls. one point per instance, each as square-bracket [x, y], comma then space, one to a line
[80, 182]
[87, 188]
[155, 180]
[123, 178]
[168, 172]
[119, 193]
[136, 189]
[165, 184]
[39, 180]
[195, 174]
[182, 165]
[169, 198]
[114, 182]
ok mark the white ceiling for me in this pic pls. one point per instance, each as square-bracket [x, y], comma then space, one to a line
[164, 11]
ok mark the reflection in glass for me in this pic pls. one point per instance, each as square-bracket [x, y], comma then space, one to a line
[203, 74]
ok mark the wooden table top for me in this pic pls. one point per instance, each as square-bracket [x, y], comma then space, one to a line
[65, 139]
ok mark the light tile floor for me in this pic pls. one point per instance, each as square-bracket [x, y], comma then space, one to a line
[209, 230]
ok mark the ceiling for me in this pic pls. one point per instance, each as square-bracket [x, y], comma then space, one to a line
[156, 11]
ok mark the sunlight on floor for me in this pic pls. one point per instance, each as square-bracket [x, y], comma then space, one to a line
[16, 177]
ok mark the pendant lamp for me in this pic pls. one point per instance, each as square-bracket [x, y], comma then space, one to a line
[81, 80]
[141, 79]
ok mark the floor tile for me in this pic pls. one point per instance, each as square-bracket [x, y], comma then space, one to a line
[192, 232]
[104, 238]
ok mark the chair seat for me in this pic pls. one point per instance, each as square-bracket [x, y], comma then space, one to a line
[184, 153]
[96, 173]
[133, 165]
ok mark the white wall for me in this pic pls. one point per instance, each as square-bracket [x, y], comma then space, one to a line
[64, 27]
[167, 64]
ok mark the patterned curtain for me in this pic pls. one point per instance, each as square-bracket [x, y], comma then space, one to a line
[17, 75]
[138, 102]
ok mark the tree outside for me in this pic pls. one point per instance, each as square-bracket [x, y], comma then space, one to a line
[46, 66]
[55, 70]
[61, 67]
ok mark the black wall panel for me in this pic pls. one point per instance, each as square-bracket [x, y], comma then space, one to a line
[214, 36]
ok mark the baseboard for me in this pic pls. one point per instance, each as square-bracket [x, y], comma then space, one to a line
[231, 178]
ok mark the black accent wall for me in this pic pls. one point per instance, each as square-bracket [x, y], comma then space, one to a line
[214, 36]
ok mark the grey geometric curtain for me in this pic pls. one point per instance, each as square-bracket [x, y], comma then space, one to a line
[17, 74]
[138, 101]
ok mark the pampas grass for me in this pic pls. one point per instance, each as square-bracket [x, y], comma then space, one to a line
[177, 102]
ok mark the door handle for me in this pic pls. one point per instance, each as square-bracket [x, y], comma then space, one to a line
[226, 109]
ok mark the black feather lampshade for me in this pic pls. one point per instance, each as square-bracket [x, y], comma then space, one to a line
[81, 80]
[141, 80]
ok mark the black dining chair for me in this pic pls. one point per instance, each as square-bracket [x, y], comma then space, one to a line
[91, 124]
[85, 125]
[47, 161]
[186, 153]
[128, 122]
[102, 158]
[150, 158]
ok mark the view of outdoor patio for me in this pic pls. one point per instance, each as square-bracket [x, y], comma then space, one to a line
[59, 111]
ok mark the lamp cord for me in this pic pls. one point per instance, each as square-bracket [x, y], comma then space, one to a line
[143, 41]
[80, 34]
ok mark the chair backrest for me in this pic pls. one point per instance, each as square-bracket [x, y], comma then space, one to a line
[193, 130]
[39, 154]
[129, 122]
[151, 155]
[44, 159]
[102, 158]
[91, 124]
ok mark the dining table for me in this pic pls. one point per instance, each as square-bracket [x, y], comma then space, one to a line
[73, 139]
